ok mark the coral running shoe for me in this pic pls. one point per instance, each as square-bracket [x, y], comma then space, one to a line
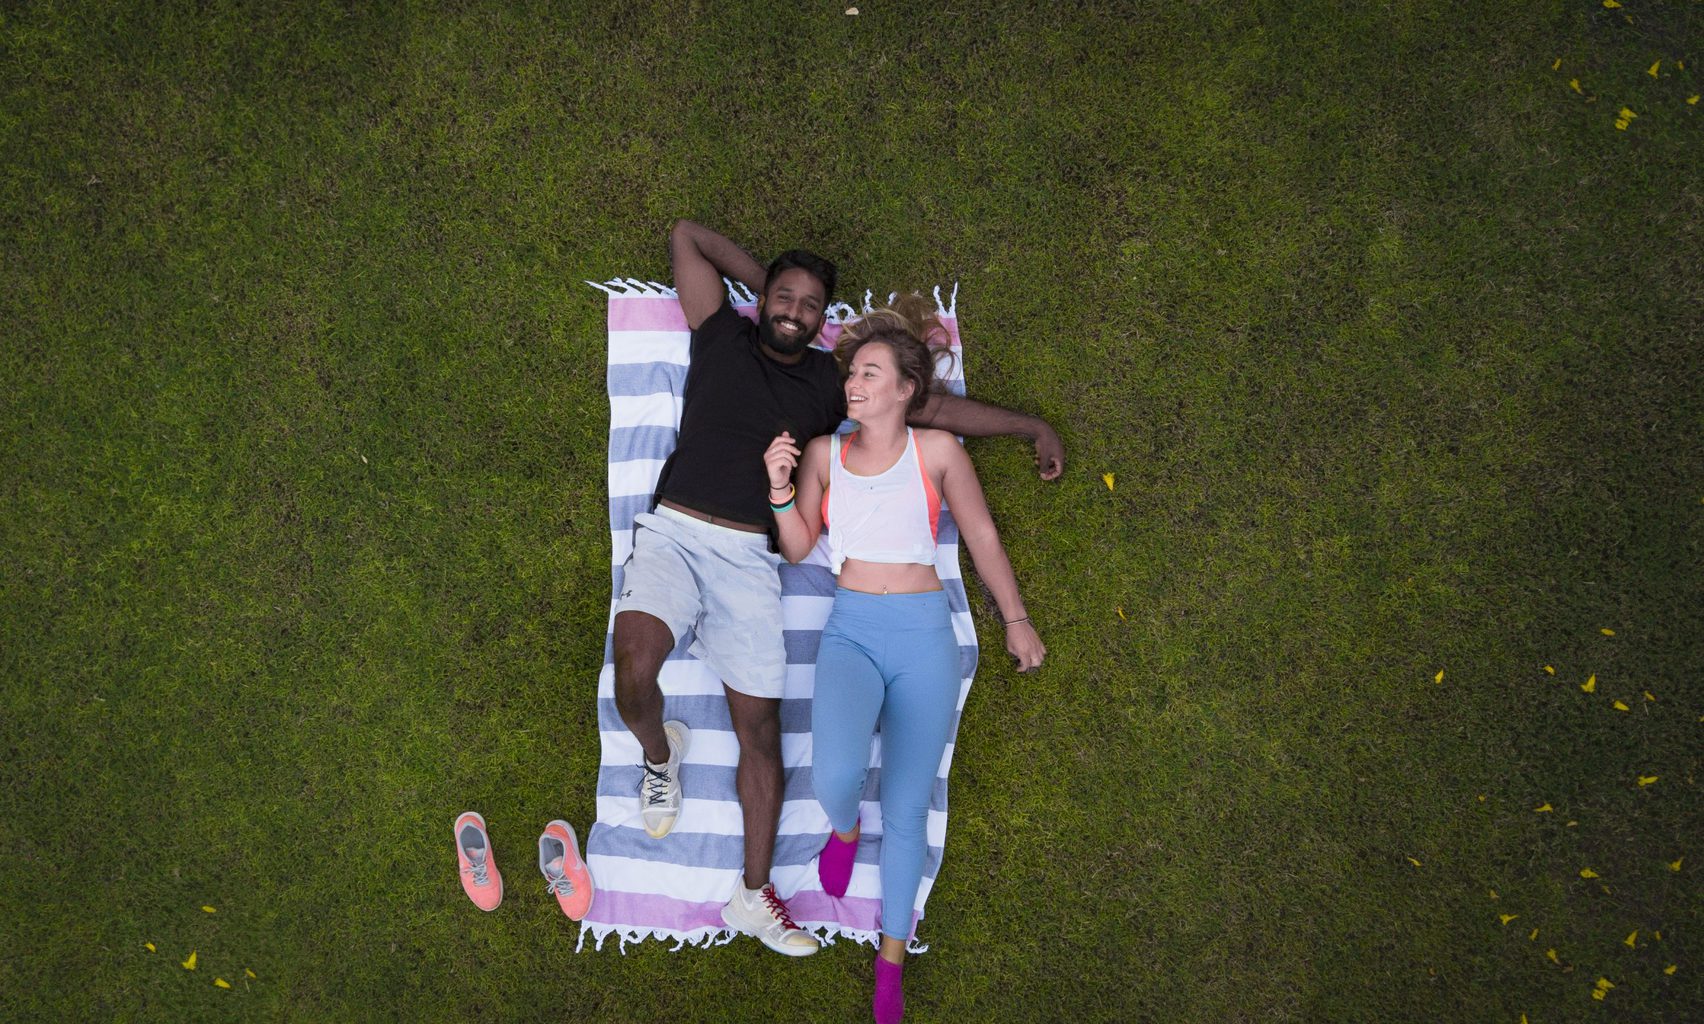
[480, 878]
[565, 874]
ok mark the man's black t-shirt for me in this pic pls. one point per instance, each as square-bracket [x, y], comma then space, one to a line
[737, 400]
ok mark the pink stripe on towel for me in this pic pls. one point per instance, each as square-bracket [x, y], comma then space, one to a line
[656, 313]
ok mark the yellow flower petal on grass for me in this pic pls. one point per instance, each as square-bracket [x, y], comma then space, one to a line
[1652, 70]
[1693, 99]
[1674, 865]
[189, 965]
[1631, 941]
[1648, 695]
[1543, 809]
[1610, 632]
[1551, 669]
[1588, 873]
[149, 946]
[1597, 993]
[1551, 955]
[1439, 677]
[1482, 798]
[1109, 478]
[248, 972]
[1121, 614]
[1622, 707]
[1556, 65]
[1574, 84]
[208, 910]
[1506, 918]
[1590, 685]
[1605, 984]
[1646, 780]
[1534, 936]
[1629, 115]
[1611, 4]
[1670, 969]
[1414, 862]
[221, 982]
[1621, 124]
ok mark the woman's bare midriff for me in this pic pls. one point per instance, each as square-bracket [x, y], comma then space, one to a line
[888, 577]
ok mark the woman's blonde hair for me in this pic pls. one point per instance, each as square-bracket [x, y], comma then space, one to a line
[909, 327]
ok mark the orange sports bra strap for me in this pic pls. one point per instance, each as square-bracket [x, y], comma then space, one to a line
[929, 493]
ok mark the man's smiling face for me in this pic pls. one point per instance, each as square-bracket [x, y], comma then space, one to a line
[792, 311]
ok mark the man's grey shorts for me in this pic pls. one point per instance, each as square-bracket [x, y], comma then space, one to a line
[722, 584]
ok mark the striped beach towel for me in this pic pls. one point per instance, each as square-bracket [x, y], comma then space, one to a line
[674, 888]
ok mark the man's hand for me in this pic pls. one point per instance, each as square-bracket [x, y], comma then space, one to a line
[971, 418]
[1049, 451]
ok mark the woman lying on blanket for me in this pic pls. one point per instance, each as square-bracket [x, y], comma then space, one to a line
[888, 650]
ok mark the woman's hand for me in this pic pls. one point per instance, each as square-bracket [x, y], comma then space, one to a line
[780, 460]
[1024, 644]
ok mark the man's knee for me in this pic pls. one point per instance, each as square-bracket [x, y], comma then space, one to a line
[641, 643]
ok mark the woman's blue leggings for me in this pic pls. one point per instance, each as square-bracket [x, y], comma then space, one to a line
[891, 658]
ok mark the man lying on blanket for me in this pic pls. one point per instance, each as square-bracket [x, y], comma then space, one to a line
[703, 560]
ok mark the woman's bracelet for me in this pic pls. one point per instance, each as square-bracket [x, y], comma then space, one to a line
[1014, 622]
[791, 493]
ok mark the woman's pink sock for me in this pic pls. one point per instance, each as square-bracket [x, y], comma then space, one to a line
[834, 864]
[888, 1004]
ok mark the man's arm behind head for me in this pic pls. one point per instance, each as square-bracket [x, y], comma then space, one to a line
[701, 259]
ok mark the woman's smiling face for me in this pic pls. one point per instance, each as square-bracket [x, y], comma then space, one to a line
[874, 385]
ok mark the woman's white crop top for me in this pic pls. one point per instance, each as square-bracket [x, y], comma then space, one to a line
[890, 517]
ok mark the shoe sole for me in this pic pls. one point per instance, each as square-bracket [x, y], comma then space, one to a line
[783, 950]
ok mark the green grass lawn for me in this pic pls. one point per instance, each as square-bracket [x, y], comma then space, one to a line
[1392, 339]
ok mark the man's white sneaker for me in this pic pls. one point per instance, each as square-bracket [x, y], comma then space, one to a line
[659, 785]
[760, 912]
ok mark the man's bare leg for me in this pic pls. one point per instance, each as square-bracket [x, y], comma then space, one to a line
[642, 642]
[755, 908]
[757, 724]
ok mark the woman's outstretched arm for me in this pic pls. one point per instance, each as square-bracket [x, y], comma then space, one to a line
[963, 493]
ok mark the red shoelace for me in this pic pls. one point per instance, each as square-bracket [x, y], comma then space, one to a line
[777, 908]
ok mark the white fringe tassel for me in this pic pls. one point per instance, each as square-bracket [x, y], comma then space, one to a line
[706, 938]
[839, 313]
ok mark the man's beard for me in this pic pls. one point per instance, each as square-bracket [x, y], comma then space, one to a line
[774, 339]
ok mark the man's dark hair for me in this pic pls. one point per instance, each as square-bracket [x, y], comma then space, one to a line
[809, 262]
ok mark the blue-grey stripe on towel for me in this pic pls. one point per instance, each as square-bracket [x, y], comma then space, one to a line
[632, 380]
[646, 442]
[712, 779]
